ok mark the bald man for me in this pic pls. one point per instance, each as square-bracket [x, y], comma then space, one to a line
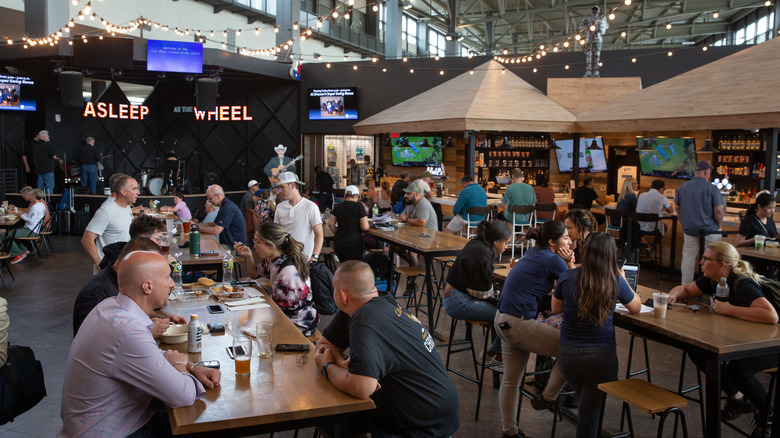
[392, 357]
[115, 368]
[229, 223]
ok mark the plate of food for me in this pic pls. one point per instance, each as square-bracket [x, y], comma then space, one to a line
[226, 291]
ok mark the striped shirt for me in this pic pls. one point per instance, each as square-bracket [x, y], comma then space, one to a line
[114, 370]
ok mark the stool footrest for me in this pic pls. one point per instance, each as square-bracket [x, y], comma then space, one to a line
[643, 395]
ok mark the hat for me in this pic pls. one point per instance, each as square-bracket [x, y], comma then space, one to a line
[253, 183]
[426, 174]
[703, 165]
[351, 191]
[289, 177]
[281, 146]
[414, 188]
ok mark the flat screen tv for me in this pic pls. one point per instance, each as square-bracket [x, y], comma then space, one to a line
[174, 56]
[670, 157]
[595, 164]
[332, 103]
[414, 153]
[17, 93]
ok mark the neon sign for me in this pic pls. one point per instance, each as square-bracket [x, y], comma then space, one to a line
[103, 110]
[235, 113]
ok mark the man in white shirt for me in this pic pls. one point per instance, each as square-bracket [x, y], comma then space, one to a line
[425, 183]
[299, 216]
[111, 222]
[653, 201]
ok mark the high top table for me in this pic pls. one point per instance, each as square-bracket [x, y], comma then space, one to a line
[278, 394]
[765, 253]
[717, 338]
[438, 244]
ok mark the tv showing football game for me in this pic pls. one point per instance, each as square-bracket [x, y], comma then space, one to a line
[17, 93]
[670, 157]
[591, 161]
[417, 151]
[332, 103]
[174, 56]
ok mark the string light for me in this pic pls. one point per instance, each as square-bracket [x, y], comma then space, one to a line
[633, 60]
[623, 34]
[668, 25]
[716, 14]
[411, 70]
[704, 49]
[441, 72]
[375, 8]
[611, 16]
[354, 67]
[669, 53]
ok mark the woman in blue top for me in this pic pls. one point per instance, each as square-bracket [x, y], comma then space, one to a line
[516, 324]
[587, 354]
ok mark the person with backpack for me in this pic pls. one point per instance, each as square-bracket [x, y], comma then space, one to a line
[283, 262]
[348, 222]
[749, 299]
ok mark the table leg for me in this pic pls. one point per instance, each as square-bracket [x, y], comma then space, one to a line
[776, 429]
[429, 290]
[673, 254]
[712, 396]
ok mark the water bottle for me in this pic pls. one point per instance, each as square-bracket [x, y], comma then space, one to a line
[375, 211]
[722, 291]
[177, 275]
[194, 241]
[194, 334]
[227, 268]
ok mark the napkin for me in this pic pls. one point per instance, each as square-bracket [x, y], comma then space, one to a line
[248, 306]
[244, 302]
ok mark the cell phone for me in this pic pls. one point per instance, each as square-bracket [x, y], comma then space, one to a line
[632, 274]
[232, 353]
[302, 348]
[210, 364]
[216, 328]
[694, 307]
[215, 308]
[499, 266]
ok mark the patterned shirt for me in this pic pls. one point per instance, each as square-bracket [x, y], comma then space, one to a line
[290, 292]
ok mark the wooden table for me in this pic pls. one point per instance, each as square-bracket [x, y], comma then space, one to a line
[715, 337]
[437, 245]
[765, 253]
[7, 223]
[208, 243]
[278, 395]
[159, 215]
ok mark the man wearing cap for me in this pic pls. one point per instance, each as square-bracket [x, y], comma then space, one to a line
[299, 216]
[229, 223]
[472, 195]
[279, 160]
[700, 208]
[425, 183]
[248, 201]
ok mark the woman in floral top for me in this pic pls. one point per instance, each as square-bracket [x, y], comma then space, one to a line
[265, 207]
[282, 261]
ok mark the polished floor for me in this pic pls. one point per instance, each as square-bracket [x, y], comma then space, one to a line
[40, 303]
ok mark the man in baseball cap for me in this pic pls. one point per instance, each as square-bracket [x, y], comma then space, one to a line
[299, 216]
[248, 201]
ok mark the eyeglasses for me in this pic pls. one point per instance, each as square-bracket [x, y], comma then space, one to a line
[704, 259]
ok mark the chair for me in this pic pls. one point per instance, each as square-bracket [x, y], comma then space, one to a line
[5, 257]
[614, 215]
[479, 365]
[545, 208]
[656, 245]
[648, 398]
[33, 241]
[769, 398]
[516, 210]
[487, 212]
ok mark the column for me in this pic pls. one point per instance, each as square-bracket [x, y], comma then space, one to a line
[393, 47]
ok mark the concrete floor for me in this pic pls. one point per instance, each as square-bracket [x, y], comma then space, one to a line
[40, 304]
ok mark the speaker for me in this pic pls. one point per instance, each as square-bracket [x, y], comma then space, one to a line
[206, 93]
[71, 89]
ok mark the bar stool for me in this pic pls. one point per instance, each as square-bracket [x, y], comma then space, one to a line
[614, 213]
[557, 416]
[411, 273]
[648, 398]
[516, 210]
[526, 393]
[656, 245]
[445, 263]
[486, 212]
[545, 208]
[769, 398]
[479, 365]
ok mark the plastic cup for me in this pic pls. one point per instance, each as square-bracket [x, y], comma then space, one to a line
[660, 303]
[760, 240]
[265, 338]
[242, 347]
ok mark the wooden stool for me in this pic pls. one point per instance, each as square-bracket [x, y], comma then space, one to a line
[479, 364]
[646, 397]
[328, 257]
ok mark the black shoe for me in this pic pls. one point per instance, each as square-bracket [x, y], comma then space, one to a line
[735, 408]
[540, 404]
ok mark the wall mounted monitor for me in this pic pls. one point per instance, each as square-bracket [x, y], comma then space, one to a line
[413, 151]
[174, 56]
[593, 161]
[670, 158]
[332, 103]
[116, 53]
[17, 93]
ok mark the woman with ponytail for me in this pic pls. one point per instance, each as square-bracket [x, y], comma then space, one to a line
[587, 354]
[283, 262]
[469, 289]
[746, 301]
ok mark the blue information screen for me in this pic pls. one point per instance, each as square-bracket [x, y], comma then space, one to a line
[174, 56]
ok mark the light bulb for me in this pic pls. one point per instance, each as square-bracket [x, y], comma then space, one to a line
[627, 2]
[436, 57]
[592, 28]
[716, 15]
[411, 70]
[276, 29]
[354, 67]
[534, 69]
[375, 8]
[565, 44]
[623, 34]
[384, 70]
[566, 67]
[611, 16]
[668, 25]
[327, 65]
[669, 54]
[633, 59]
[704, 49]
[335, 14]
[441, 72]
[404, 59]
[471, 72]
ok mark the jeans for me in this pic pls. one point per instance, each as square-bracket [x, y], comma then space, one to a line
[690, 252]
[742, 373]
[16, 246]
[46, 182]
[519, 338]
[584, 368]
[460, 305]
[89, 177]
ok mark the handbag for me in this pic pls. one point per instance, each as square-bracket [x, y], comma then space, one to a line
[21, 383]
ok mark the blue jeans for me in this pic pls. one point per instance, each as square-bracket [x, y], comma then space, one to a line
[89, 177]
[46, 182]
[460, 305]
[584, 368]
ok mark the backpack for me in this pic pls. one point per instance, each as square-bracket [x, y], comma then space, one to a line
[321, 280]
[769, 287]
[21, 383]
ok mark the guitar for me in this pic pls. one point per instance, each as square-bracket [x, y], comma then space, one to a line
[281, 168]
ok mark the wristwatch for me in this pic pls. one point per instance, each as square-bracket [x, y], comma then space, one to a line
[325, 369]
[316, 256]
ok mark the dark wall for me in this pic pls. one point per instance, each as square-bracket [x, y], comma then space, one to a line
[378, 90]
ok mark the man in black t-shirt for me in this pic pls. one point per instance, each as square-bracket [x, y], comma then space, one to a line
[44, 155]
[324, 183]
[397, 192]
[585, 195]
[393, 360]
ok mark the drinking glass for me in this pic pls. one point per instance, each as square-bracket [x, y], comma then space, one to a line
[242, 347]
[265, 337]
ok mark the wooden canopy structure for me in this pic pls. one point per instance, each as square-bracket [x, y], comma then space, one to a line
[740, 91]
[488, 98]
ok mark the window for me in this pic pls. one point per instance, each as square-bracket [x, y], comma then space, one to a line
[750, 33]
[437, 43]
[382, 17]
[409, 29]
[762, 25]
[464, 51]
[740, 36]
[720, 42]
